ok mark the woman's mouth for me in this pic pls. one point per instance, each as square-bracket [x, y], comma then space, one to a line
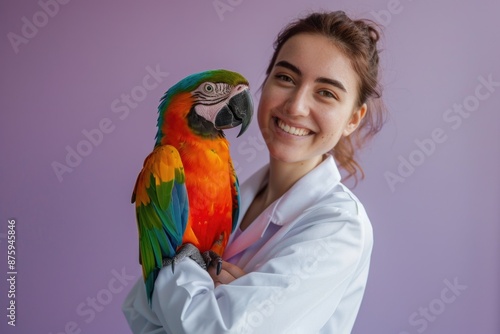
[291, 129]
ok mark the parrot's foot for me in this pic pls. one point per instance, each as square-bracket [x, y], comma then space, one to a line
[187, 250]
[212, 258]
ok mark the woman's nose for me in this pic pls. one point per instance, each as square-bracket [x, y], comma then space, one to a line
[297, 103]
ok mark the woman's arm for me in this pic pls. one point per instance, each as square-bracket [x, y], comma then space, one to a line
[296, 288]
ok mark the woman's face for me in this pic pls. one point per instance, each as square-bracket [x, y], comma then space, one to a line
[309, 100]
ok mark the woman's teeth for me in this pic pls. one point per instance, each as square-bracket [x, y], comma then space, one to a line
[292, 130]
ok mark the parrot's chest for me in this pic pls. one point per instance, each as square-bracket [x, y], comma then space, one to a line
[208, 183]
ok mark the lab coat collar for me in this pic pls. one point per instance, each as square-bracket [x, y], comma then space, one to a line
[302, 195]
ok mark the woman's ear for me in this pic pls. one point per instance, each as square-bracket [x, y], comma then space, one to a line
[355, 120]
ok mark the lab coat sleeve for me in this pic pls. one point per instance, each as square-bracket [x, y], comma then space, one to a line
[296, 287]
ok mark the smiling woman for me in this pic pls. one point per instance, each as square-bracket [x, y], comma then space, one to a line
[312, 87]
[355, 43]
[299, 257]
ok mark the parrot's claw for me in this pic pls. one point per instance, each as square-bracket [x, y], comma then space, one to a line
[187, 250]
[212, 258]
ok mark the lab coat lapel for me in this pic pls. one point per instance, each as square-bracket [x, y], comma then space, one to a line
[303, 194]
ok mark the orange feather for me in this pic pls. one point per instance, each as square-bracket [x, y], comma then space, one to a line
[208, 170]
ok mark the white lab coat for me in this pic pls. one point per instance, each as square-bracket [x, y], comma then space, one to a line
[306, 257]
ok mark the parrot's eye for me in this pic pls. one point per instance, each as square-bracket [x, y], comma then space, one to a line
[209, 88]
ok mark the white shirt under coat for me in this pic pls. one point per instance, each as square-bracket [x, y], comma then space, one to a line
[306, 256]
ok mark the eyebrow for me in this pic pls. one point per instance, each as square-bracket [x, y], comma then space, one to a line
[296, 70]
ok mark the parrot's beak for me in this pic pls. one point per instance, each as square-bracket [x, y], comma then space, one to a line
[238, 110]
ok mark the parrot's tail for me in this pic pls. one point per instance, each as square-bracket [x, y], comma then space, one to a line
[150, 284]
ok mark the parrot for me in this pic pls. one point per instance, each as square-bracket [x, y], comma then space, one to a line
[187, 194]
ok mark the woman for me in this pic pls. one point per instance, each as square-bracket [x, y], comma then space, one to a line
[299, 260]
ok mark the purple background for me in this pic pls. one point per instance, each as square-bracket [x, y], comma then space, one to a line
[76, 233]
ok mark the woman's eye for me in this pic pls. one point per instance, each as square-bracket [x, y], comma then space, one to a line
[328, 94]
[284, 77]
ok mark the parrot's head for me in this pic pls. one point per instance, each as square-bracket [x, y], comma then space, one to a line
[207, 103]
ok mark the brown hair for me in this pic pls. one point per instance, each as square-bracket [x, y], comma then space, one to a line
[358, 40]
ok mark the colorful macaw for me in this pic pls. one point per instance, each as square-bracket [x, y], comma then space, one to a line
[187, 192]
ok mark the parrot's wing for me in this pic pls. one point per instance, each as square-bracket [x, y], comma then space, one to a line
[161, 204]
[235, 192]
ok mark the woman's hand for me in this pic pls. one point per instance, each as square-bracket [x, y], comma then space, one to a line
[229, 273]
